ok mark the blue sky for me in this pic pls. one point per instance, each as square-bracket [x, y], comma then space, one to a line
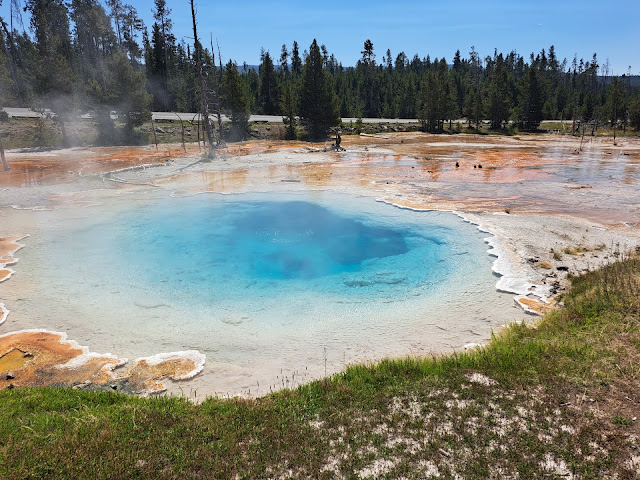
[610, 29]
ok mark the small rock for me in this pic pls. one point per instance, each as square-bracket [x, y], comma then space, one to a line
[562, 268]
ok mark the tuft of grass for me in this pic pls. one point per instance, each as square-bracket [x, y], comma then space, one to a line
[576, 250]
[556, 254]
[622, 421]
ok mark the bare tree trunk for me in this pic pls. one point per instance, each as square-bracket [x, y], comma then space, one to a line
[198, 131]
[198, 128]
[4, 159]
[615, 120]
[153, 129]
[584, 127]
[216, 92]
[203, 102]
[182, 133]
[573, 124]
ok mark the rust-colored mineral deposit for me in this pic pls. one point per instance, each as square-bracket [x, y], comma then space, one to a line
[43, 358]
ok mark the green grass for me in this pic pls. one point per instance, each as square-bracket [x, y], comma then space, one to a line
[553, 404]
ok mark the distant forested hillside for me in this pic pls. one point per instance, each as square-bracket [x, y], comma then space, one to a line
[87, 56]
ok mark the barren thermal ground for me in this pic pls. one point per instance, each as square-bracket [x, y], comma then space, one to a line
[530, 210]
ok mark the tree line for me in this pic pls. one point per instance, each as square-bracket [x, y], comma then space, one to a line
[85, 56]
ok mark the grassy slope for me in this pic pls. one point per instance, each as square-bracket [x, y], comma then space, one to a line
[560, 403]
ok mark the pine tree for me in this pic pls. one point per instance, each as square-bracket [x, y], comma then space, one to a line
[615, 101]
[160, 61]
[117, 15]
[431, 93]
[109, 82]
[131, 100]
[401, 62]
[132, 26]
[236, 101]
[530, 107]
[7, 84]
[615, 104]
[284, 61]
[296, 61]
[268, 95]
[367, 65]
[634, 112]
[11, 87]
[498, 107]
[288, 107]
[457, 63]
[50, 24]
[54, 75]
[389, 61]
[474, 104]
[318, 102]
[436, 99]
[474, 107]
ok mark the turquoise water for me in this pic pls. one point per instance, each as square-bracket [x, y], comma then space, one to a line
[211, 250]
[267, 256]
[260, 283]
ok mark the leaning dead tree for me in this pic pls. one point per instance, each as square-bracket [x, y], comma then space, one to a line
[216, 91]
[204, 108]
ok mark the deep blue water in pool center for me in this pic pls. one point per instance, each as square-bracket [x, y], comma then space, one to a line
[226, 245]
[286, 240]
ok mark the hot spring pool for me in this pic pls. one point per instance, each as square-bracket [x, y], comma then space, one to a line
[235, 254]
[264, 284]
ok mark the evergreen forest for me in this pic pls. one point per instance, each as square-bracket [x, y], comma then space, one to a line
[83, 56]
